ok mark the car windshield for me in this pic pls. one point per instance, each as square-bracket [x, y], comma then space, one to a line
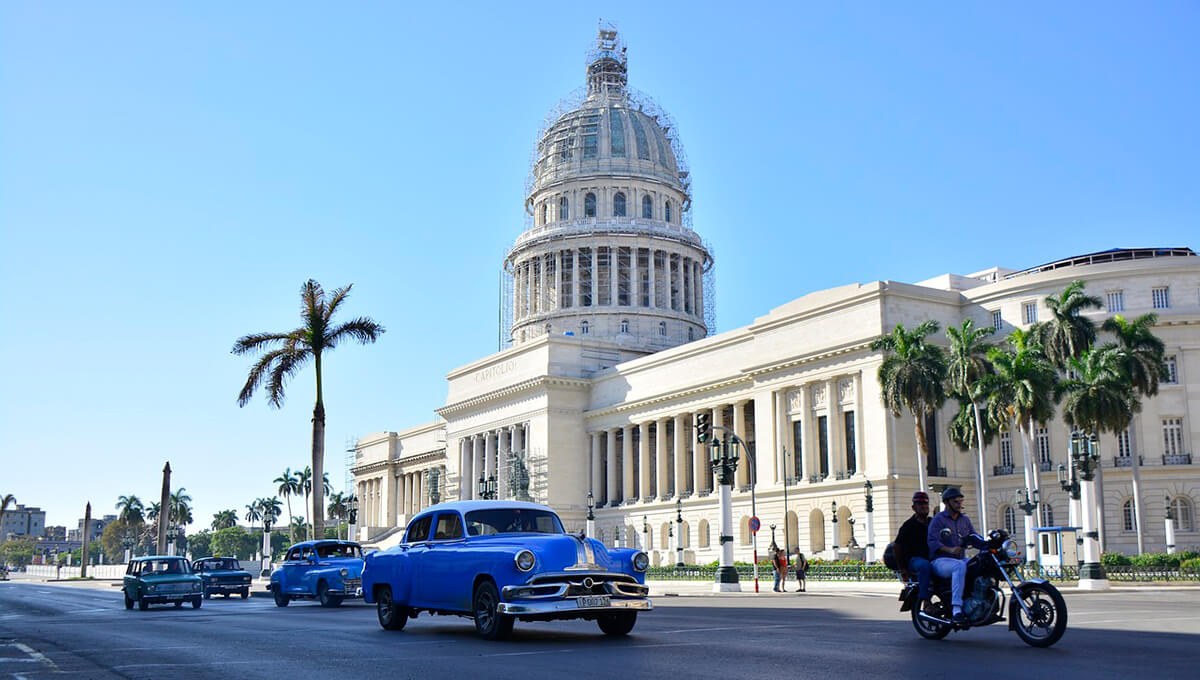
[177, 566]
[337, 550]
[219, 565]
[512, 521]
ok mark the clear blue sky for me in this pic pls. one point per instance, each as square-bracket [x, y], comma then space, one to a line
[170, 175]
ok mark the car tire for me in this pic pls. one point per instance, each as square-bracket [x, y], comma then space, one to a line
[489, 623]
[617, 624]
[227, 594]
[207, 593]
[281, 600]
[195, 603]
[245, 593]
[179, 604]
[128, 602]
[326, 599]
[391, 616]
[143, 605]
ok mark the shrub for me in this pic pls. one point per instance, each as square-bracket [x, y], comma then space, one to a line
[1155, 561]
[1115, 560]
[1190, 566]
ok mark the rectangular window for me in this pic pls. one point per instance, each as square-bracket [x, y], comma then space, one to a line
[797, 450]
[675, 282]
[1172, 436]
[823, 445]
[851, 457]
[996, 321]
[687, 287]
[566, 289]
[644, 276]
[616, 133]
[1006, 449]
[660, 277]
[933, 462]
[1172, 371]
[1123, 449]
[585, 277]
[590, 144]
[1043, 444]
[1161, 297]
[1115, 300]
[603, 275]
[623, 255]
[1029, 312]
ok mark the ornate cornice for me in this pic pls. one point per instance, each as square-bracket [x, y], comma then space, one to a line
[516, 388]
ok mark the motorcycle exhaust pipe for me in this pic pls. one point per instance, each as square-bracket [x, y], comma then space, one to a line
[933, 619]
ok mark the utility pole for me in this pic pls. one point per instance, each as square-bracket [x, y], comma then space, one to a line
[164, 510]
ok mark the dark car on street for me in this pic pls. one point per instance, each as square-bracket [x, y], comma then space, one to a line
[160, 579]
[222, 575]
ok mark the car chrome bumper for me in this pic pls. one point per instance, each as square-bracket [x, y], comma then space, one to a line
[235, 587]
[571, 605]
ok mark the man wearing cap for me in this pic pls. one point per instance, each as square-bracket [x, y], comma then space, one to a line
[948, 551]
[912, 545]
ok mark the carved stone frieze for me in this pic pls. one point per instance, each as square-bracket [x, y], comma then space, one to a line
[818, 395]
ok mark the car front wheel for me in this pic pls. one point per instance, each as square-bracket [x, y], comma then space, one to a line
[391, 616]
[128, 602]
[143, 605]
[489, 623]
[617, 624]
[245, 593]
[327, 599]
[281, 600]
[207, 593]
[195, 603]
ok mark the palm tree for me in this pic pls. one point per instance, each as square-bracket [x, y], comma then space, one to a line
[254, 512]
[271, 508]
[339, 507]
[304, 479]
[289, 486]
[181, 509]
[5, 503]
[1067, 335]
[152, 511]
[224, 520]
[298, 524]
[284, 354]
[131, 510]
[1098, 397]
[967, 364]
[912, 376]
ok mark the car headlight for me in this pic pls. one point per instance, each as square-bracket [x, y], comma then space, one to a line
[525, 560]
[150, 588]
[1010, 549]
[344, 573]
[246, 579]
[197, 586]
[641, 561]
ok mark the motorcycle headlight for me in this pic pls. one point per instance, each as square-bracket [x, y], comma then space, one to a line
[525, 560]
[641, 561]
[344, 573]
[1010, 549]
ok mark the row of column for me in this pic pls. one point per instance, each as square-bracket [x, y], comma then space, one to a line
[820, 429]
[379, 502]
[488, 454]
[590, 277]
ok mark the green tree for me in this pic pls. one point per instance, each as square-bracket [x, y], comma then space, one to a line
[1067, 334]
[285, 354]
[966, 367]
[130, 510]
[913, 376]
[254, 512]
[17, 552]
[299, 529]
[304, 477]
[1098, 397]
[181, 508]
[289, 485]
[200, 543]
[233, 542]
[8, 501]
[339, 508]
[224, 519]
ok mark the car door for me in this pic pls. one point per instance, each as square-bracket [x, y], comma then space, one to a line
[306, 567]
[445, 565]
[292, 571]
[417, 540]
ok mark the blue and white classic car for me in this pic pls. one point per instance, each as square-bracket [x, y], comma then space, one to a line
[499, 561]
[329, 571]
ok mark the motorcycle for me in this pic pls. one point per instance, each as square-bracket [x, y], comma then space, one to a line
[1036, 611]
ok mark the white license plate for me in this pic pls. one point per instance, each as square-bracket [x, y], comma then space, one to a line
[594, 601]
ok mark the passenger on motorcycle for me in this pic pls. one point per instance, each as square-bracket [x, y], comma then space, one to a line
[947, 542]
[912, 545]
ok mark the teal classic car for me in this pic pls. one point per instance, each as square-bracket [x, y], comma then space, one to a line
[159, 580]
[222, 575]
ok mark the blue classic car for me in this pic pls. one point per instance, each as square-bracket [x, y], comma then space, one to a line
[329, 571]
[222, 575]
[499, 561]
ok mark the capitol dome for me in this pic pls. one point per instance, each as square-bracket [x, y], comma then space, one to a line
[609, 251]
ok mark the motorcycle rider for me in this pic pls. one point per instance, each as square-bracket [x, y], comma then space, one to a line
[949, 551]
[912, 545]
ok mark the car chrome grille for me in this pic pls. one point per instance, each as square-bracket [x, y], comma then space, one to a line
[352, 583]
[175, 588]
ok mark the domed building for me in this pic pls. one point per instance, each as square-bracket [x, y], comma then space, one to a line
[611, 355]
[609, 252]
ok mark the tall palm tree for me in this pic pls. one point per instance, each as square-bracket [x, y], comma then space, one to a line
[339, 507]
[1066, 334]
[224, 519]
[181, 507]
[284, 354]
[966, 365]
[299, 525]
[913, 376]
[131, 510]
[254, 512]
[289, 485]
[152, 511]
[6, 502]
[304, 479]
[1098, 396]
[271, 508]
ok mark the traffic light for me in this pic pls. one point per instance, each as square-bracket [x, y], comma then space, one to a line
[703, 427]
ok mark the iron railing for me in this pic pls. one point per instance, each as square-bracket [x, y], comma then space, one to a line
[878, 572]
[998, 470]
[1177, 459]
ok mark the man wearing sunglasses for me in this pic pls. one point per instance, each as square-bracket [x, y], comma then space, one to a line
[912, 545]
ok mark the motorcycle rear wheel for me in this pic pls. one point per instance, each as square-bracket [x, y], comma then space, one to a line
[935, 607]
[1047, 618]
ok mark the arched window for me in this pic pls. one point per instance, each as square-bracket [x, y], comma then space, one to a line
[647, 208]
[624, 325]
[692, 335]
[703, 538]
[1010, 520]
[545, 213]
[744, 534]
[619, 205]
[1047, 515]
[667, 214]
[1181, 507]
[665, 534]
[662, 328]
[1129, 515]
[816, 531]
[589, 205]
[630, 537]
[583, 328]
[562, 208]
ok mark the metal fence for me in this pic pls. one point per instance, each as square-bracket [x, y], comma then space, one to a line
[878, 572]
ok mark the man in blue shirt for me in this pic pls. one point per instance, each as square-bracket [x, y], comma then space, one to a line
[948, 552]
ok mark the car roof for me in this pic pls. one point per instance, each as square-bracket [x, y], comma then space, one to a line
[325, 541]
[146, 558]
[467, 506]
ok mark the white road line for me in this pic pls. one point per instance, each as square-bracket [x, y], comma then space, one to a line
[1126, 620]
[36, 655]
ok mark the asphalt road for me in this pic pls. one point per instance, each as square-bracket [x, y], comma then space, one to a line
[49, 630]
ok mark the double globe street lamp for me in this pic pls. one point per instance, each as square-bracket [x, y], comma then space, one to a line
[591, 516]
[724, 459]
[1085, 454]
[678, 532]
[487, 487]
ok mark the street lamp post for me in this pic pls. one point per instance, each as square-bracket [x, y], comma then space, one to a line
[590, 529]
[835, 531]
[1170, 520]
[352, 527]
[678, 532]
[1085, 453]
[1028, 502]
[870, 522]
[645, 534]
[487, 487]
[724, 460]
[266, 544]
[435, 494]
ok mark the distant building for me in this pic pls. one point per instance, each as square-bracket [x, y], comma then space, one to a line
[56, 532]
[97, 528]
[23, 521]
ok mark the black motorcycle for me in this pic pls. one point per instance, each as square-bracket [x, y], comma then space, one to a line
[1036, 611]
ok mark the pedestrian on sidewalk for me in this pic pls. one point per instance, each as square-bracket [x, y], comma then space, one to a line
[780, 563]
[801, 569]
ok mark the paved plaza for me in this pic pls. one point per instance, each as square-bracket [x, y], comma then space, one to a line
[844, 631]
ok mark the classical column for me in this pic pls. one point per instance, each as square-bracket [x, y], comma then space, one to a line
[783, 439]
[739, 428]
[503, 460]
[613, 486]
[697, 287]
[477, 465]
[664, 469]
[464, 469]
[679, 451]
[627, 471]
[653, 283]
[389, 500]
[595, 277]
[558, 266]
[700, 479]
[613, 270]
[644, 461]
[489, 454]
[837, 438]
[597, 469]
[765, 448]
[575, 278]
[808, 432]
[860, 449]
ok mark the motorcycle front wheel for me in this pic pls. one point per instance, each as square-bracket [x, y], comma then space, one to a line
[928, 629]
[1046, 619]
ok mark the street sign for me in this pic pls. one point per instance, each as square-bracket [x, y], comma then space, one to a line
[755, 525]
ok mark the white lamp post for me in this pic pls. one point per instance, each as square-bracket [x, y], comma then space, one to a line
[1170, 520]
